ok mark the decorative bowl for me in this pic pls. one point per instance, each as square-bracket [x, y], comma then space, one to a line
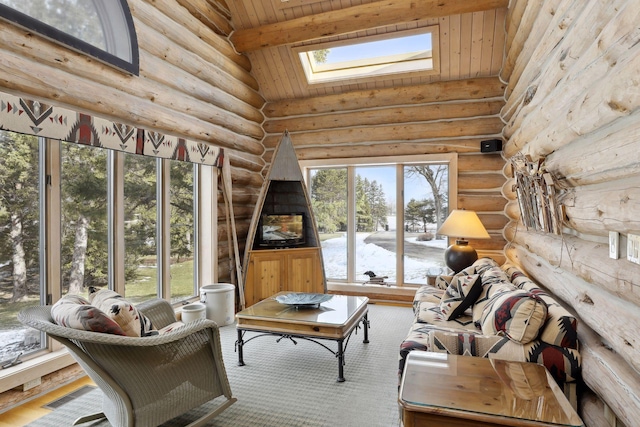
[303, 299]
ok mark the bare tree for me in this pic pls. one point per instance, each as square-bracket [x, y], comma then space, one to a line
[435, 176]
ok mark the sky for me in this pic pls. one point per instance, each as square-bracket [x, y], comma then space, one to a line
[414, 187]
[379, 48]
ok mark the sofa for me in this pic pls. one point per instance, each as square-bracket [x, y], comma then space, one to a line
[493, 311]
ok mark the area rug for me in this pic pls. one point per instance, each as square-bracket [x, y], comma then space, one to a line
[292, 385]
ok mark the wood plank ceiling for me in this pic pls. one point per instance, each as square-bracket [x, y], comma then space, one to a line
[471, 38]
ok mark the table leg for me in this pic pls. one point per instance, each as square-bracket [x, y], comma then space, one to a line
[239, 344]
[365, 325]
[340, 355]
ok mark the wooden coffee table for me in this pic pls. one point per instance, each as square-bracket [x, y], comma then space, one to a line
[439, 389]
[334, 320]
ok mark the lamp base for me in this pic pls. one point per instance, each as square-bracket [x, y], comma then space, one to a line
[459, 256]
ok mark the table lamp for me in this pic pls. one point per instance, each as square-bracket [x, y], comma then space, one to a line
[462, 224]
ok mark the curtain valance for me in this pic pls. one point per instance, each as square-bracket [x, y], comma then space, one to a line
[23, 115]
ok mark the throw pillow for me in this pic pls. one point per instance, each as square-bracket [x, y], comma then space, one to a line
[74, 311]
[518, 315]
[461, 293]
[442, 282]
[488, 291]
[123, 312]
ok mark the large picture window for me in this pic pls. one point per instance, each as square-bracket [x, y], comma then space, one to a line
[75, 216]
[20, 246]
[382, 216]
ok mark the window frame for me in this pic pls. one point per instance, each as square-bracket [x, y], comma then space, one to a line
[114, 21]
[400, 162]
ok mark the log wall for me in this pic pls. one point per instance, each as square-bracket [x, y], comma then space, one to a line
[572, 99]
[192, 84]
[434, 118]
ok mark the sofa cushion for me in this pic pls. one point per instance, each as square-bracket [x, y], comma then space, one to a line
[518, 315]
[488, 291]
[483, 264]
[462, 292]
[74, 311]
[475, 344]
[123, 312]
[561, 328]
[430, 313]
[442, 282]
[426, 293]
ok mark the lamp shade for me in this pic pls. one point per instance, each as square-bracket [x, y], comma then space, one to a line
[463, 224]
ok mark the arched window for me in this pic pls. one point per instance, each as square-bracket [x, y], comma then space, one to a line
[102, 29]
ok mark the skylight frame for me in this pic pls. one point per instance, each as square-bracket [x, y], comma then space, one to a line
[389, 67]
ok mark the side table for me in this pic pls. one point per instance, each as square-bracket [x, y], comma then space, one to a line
[445, 390]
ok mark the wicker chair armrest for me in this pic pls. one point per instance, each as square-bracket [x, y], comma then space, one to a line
[159, 311]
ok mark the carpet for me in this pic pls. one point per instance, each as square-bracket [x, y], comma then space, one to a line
[292, 385]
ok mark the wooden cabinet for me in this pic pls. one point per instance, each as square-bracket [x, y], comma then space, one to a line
[270, 271]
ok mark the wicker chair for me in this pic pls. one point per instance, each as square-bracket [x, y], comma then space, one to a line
[147, 381]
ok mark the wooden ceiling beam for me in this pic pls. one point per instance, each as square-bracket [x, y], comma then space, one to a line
[355, 18]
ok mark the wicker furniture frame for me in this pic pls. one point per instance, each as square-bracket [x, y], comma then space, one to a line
[147, 381]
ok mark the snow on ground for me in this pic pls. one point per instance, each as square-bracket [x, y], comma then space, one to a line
[377, 259]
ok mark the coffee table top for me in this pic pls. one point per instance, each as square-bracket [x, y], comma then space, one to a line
[488, 390]
[337, 311]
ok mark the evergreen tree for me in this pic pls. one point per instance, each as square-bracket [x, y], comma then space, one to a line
[329, 199]
[140, 212]
[84, 217]
[19, 211]
[181, 201]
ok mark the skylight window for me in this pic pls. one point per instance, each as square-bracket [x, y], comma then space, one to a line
[369, 57]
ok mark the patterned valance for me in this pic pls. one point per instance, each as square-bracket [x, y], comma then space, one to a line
[38, 118]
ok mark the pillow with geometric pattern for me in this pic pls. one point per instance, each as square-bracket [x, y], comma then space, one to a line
[461, 293]
[123, 312]
[442, 282]
[74, 311]
[518, 315]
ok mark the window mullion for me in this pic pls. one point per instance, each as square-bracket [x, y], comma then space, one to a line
[351, 224]
[400, 224]
[163, 228]
[115, 219]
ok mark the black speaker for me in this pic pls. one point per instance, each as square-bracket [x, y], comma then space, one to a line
[490, 145]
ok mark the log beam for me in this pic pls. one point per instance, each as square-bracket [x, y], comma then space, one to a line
[484, 88]
[400, 114]
[607, 374]
[383, 148]
[600, 208]
[208, 15]
[480, 127]
[354, 18]
[608, 154]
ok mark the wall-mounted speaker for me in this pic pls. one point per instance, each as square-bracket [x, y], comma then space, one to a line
[490, 145]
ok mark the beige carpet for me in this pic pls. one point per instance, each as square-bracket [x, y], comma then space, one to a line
[290, 385]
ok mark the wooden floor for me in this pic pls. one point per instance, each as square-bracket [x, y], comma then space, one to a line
[33, 409]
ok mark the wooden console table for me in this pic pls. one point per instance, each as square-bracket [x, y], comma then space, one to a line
[444, 390]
